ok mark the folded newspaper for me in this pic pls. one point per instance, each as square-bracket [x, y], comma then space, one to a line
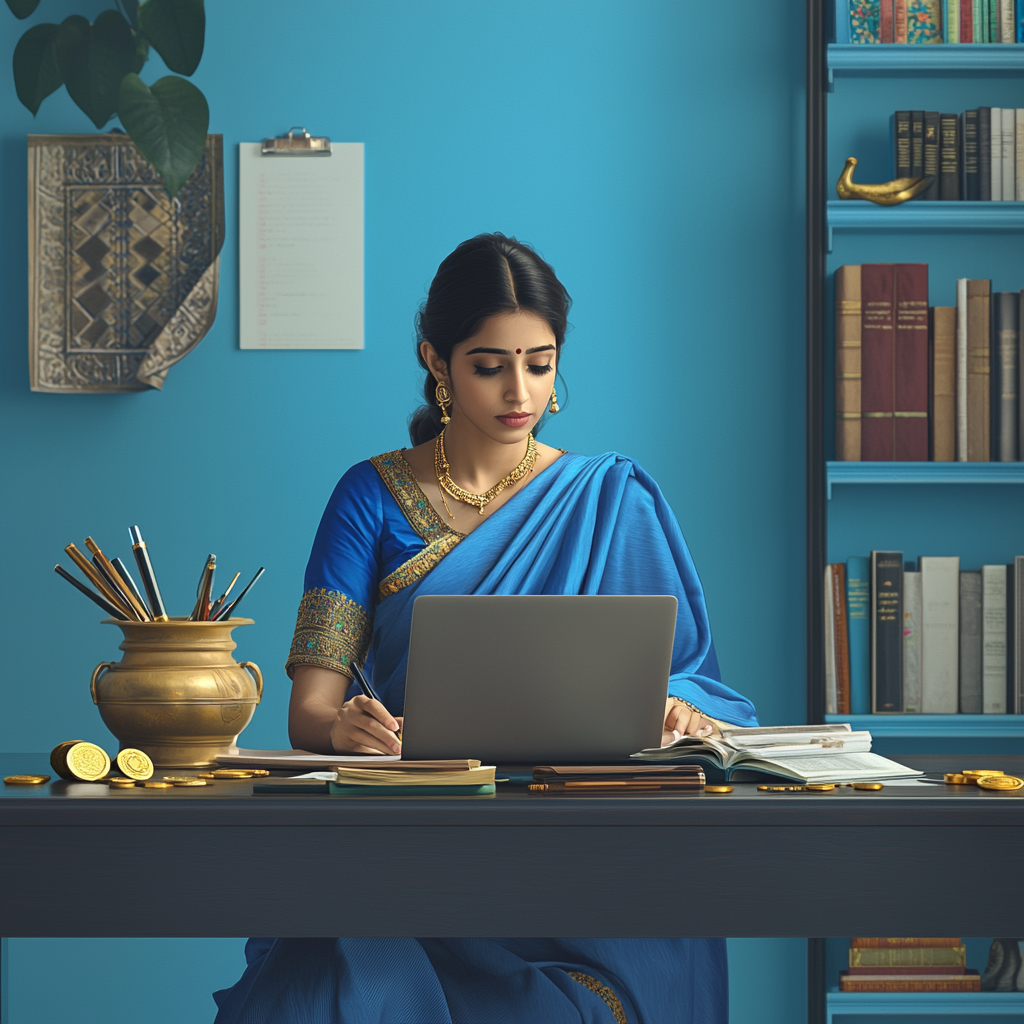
[802, 753]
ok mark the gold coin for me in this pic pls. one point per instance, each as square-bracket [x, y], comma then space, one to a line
[87, 762]
[1000, 782]
[957, 779]
[260, 772]
[25, 780]
[867, 785]
[136, 764]
[718, 789]
[57, 760]
[820, 787]
[772, 789]
[231, 773]
[177, 778]
[121, 783]
[977, 773]
[155, 785]
[794, 789]
[204, 775]
[189, 782]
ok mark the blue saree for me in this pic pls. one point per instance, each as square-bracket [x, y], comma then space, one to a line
[586, 525]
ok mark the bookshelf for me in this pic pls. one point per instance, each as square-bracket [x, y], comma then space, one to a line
[851, 91]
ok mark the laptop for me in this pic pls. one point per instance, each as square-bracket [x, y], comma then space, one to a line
[537, 679]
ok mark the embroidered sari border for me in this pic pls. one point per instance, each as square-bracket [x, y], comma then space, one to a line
[607, 996]
[331, 631]
[397, 475]
[418, 566]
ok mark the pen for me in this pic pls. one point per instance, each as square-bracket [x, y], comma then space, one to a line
[368, 690]
[201, 611]
[141, 552]
[225, 613]
[129, 582]
[93, 576]
[115, 581]
[109, 608]
[219, 603]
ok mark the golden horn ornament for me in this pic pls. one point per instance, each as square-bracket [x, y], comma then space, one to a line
[889, 193]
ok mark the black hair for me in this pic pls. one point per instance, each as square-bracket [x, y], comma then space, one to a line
[484, 276]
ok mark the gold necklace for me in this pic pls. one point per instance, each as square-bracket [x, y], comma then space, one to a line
[479, 501]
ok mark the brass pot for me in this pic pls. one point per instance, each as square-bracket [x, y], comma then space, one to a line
[177, 693]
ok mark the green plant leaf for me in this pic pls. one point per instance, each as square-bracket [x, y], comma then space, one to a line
[36, 74]
[141, 52]
[22, 8]
[93, 59]
[168, 122]
[176, 29]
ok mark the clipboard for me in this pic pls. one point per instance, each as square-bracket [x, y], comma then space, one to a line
[292, 144]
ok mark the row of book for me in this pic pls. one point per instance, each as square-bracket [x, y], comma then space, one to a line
[929, 21]
[923, 637]
[976, 155]
[915, 383]
[908, 965]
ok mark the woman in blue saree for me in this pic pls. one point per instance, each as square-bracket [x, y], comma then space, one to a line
[478, 507]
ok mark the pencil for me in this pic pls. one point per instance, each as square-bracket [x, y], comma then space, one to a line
[109, 608]
[141, 552]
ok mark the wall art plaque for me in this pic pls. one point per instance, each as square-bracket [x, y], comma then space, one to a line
[123, 280]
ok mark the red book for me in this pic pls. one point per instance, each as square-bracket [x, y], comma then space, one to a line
[842, 638]
[885, 21]
[915, 971]
[910, 415]
[878, 362]
[966, 22]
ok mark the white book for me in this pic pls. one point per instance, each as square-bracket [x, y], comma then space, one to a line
[831, 699]
[996, 152]
[1007, 28]
[1020, 154]
[993, 639]
[940, 634]
[911, 641]
[961, 369]
[1009, 154]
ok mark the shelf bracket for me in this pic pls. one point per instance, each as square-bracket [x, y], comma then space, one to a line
[830, 236]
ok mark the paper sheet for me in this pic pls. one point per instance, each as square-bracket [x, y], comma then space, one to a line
[300, 249]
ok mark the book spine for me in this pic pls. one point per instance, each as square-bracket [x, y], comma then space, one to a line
[854, 984]
[943, 378]
[842, 10]
[924, 21]
[942, 956]
[984, 153]
[1020, 22]
[948, 181]
[1020, 371]
[940, 635]
[961, 370]
[969, 155]
[993, 639]
[1012, 707]
[1018, 633]
[931, 146]
[936, 971]
[1019, 152]
[1008, 119]
[848, 354]
[885, 21]
[966, 22]
[912, 943]
[887, 631]
[982, 21]
[858, 623]
[831, 706]
[916, 143]
[1005, 376]
[1007, 29]
[910, 415]
[979, 377]
[970, 643]
[911, 642]
[951, 22]
[842, 636]
[899, 21]
[878, 366]
[996, 151]
[901, 144]
[863, 21]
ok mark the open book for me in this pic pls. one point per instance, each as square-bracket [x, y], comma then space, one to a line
[802, 753]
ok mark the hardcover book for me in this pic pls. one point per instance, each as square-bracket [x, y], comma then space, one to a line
[951, 21]
[863, 19]
[970, 643]
[916, 143]
[924, 21]
[961, 369]
[842, 639]
[943, 378]
[968, 981]
[878, 368]
[969, 150]
[881, 943]
[887, 631]
[940, 628]
[858, 620]
[1009, 154]
[979, 376]
[899, 21]
[901, 144]
[1005, 376]
[1019, 135]
[984, 153]
[909, 956]
[831, 702]
[995, 115]
[911, 641]
[949, 157]
[993, 639]
[910, 415]
[848, 356]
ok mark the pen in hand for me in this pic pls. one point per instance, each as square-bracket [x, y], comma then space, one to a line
[368, 691]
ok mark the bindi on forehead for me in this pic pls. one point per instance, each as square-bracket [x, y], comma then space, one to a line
[519, 351]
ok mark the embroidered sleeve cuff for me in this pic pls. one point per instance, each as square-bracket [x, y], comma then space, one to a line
[331, 631]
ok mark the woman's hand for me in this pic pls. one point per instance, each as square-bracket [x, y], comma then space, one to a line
[365, 726]
[681, 720]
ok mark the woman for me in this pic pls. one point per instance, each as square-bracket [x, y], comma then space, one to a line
[478, 507]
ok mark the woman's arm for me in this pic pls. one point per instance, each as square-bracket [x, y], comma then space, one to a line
[322, 721]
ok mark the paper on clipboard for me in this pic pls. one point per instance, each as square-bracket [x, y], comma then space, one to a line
[300, 249]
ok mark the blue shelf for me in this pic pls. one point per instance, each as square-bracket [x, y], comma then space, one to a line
[936, 727]
[860, 215]
[926, 1005]
[967, 58]
[922, 473]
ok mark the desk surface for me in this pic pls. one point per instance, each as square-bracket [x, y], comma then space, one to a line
[80, 859]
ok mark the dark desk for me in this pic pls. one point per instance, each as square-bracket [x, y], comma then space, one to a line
[80, 860]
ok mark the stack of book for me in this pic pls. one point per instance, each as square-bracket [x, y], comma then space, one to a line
[929, 21]
[915, 383]
[421, 779]
[908, 965]
[976, 155]
[923, 637]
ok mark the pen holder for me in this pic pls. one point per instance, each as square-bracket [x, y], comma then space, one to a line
[177, 693]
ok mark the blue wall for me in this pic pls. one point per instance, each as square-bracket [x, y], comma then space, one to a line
[652, 152]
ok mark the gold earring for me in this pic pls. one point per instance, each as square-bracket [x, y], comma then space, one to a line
[553, 407]
[443, 398]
